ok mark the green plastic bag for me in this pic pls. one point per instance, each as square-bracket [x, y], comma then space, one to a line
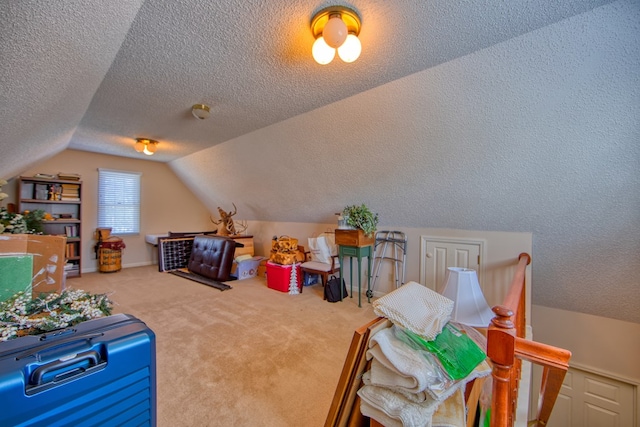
[457, 353]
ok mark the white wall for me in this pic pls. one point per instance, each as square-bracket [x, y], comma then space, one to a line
[599, 345]
[501, 252]
[605, 346]
[166, 204]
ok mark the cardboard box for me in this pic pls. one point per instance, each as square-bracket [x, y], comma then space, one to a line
[48, 258]
[15, 275]
[279, 276]
[262, 268]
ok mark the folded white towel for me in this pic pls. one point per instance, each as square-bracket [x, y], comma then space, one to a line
[378, 415]
[382, 376]
[367, 380]
[396, 406]
[451, 412]
[416, 308]
[397, 366]
[392, 409]
[405, 367]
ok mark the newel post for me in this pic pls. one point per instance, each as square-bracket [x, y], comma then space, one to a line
[501, 338]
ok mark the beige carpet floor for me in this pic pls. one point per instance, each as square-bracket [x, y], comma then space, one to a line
[245, 356]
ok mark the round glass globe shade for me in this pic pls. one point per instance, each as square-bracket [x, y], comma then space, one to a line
[350, 50]
[322, 52]
[139, 146]
[335, 32]
[150, 149]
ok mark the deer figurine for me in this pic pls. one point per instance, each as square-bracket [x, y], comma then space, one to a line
[226, 224]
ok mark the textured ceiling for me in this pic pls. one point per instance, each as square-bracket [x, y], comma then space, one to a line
[93, 75]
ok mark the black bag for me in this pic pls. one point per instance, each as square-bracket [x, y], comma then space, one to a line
[332, 290]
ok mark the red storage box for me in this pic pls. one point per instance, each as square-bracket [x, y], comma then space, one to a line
[279, 276]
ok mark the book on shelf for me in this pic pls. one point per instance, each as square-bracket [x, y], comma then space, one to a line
[70, 266]
[69, 176]
[71, 188]
[70, 192]
[41, 191]
[70, 250]
[71, 230]
[44, 175]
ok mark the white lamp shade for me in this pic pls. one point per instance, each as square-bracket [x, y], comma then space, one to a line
[335, 31]
[470, 307]
[350, 50]
[322, 52]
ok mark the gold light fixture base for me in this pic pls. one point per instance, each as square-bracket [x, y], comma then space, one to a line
[200, 111]
[349, 16]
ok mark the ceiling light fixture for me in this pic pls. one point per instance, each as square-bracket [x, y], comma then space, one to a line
[146, 146]
[336, 28]
[200, 111]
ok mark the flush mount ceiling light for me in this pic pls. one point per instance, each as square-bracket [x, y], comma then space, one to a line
[146, 146]
[200, 111]
[336, 28]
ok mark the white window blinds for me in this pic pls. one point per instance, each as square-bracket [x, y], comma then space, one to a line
[119, 201]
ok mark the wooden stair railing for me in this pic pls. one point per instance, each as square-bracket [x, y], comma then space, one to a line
[507, 347]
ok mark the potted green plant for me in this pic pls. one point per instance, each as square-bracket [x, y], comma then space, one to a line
[361, 217]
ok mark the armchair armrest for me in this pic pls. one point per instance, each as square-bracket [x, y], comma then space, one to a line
[335, 262]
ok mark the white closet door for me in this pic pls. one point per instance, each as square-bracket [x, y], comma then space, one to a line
[439, 254]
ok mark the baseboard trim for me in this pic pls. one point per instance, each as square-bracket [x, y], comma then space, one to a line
[137, 264]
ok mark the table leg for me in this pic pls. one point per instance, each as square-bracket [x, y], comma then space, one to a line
[351, 274]
[359, 281]
[341, 258]
[369, 279]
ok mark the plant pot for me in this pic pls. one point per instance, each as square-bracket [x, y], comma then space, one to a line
[342, 223]
[353, 238]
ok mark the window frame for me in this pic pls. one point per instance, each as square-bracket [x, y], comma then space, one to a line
[117, 204]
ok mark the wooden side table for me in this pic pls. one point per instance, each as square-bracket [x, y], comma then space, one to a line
[358, 252]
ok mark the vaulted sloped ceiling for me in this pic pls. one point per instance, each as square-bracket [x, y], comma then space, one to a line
[54, 56]
[93, 75]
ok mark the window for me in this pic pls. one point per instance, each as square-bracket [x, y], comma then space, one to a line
[119, 201]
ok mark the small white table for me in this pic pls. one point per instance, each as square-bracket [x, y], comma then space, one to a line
[152, 239]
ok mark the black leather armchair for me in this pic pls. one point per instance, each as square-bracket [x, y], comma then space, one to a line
[212, 257]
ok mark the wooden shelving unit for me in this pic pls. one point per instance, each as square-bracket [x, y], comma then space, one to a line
[63, 200]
